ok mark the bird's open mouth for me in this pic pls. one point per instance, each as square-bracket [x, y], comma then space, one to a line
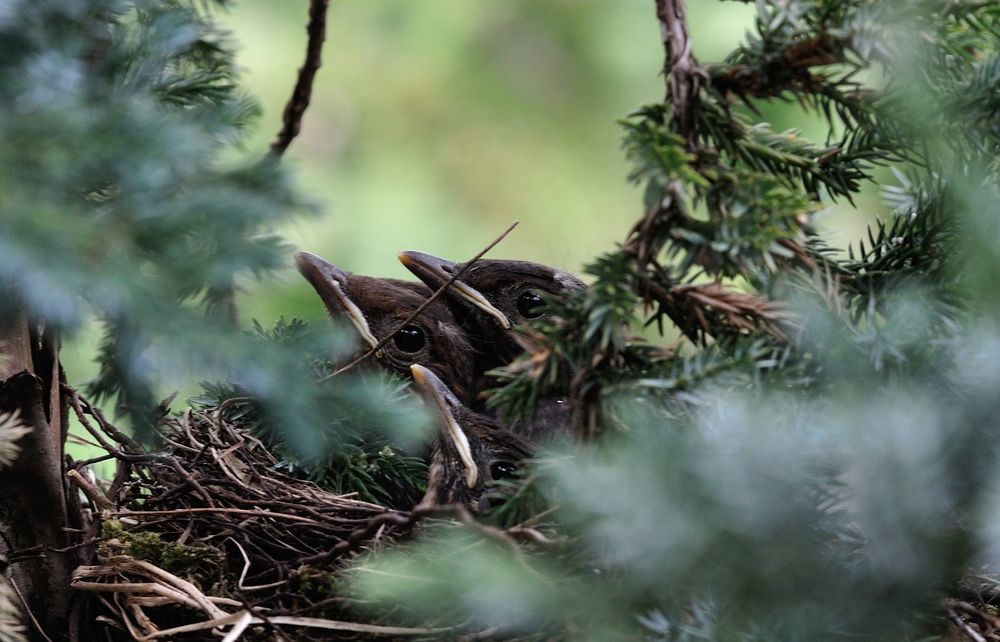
[435, 272]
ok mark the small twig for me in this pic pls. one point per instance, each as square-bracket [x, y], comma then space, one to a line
[83, 463]
[305, 622]
[75, 402]
[140, 616]
[355, 627]
[156, 588]
[80, 441]
[82, 408]
[405, 322]
[27, 609]
[235, 511]
[136, 634]
[301, 94]
[970, 632]
[533, 535]
[239, 627]
[175, 582]
[197, 626]
[224, 406]
[246, 568]
[683, 78]
[93, 494]
[364, 533]
[683, 75]
[980, 614]
[189, 478]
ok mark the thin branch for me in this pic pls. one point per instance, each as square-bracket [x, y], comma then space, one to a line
[682, 73]
[970, 632]
[355, 627]
[101, 502]
[82, 408]
[215, 511]
[405, 322]
[299, 100]
[984, 616]
[683, 77]
[27, 609]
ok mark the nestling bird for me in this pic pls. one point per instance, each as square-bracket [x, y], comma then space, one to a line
[472, 451]
[489, 299]
[376, 307]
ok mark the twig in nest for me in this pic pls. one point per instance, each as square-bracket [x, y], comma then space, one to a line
[164, 546]
[217, 511]
[534, 536]
[983, 616]
[299, 100]
[166, 588]
[246, 568]
[970, 632]
[82, 408]
[101, 502]
[405, 322]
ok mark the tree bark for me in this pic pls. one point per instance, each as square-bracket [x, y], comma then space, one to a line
[33, 513]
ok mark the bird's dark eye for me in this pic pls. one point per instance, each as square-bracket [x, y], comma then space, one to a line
[528, 304]
[410, 339]
[503, 470]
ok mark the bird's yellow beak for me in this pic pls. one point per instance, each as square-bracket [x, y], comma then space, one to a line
[435, 272]
[329, 281]
[435, 390]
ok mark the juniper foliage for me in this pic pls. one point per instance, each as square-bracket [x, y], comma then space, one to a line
[11, 628]
[127, 195]
[814, 459]
[349, 449]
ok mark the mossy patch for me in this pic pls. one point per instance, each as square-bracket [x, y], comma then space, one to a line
[194, 562]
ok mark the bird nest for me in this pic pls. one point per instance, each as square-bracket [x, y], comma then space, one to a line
[207, 538]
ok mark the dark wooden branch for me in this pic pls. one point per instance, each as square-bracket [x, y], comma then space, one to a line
[681, 71]
[299, 100]
[33, 507]
[683, 77]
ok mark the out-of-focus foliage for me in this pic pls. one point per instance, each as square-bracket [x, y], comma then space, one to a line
[121, 200]
[434, 125]
[823, 467]
[347, 448]
[818, 462]
[11, 429]
[11, 628]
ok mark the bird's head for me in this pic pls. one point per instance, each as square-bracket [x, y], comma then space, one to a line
[471, 452]
[376, 307]
[507, 293]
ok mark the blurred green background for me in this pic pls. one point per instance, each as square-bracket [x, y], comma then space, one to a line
[434, 124]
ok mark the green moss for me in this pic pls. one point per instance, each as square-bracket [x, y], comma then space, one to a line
[193, 562]
[313, 580]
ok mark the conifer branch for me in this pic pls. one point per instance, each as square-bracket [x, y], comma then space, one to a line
[681, 71]
[301, 94]
[683, 78]
[788, 69]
